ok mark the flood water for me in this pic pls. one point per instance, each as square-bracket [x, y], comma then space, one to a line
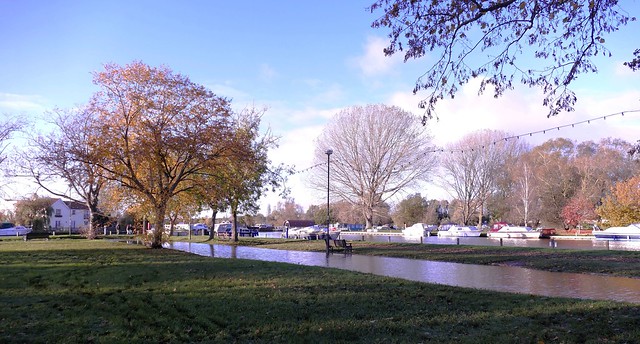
[579, 244]
[495, 278]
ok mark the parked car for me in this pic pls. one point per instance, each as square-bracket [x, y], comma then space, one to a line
[200, 228]
[222, 228]
[226, 228]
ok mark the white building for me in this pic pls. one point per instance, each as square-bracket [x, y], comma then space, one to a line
[69, 216]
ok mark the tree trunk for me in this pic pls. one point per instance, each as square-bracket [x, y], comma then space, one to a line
[91, 232]
[234, 228]
[92, 204]
[213, 224]
[159, 226]
[368, 217]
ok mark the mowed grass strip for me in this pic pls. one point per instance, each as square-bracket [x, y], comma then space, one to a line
[71, 291]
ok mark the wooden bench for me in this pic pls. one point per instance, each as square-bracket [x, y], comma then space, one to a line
[341, 245]
[36, 235]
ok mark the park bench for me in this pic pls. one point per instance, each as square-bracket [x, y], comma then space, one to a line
[341, 245]
[36, 235]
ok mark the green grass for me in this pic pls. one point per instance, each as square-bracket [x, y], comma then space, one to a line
[71, 291]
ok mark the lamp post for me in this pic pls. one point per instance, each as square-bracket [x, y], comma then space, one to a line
[328, 152]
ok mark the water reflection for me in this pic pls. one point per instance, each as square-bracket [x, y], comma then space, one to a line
[495, 278]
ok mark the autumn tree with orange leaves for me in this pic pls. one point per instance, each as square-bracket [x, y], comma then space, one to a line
[157, 132]
[622, 206]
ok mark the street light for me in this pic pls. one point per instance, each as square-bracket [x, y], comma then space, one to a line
[328, 152]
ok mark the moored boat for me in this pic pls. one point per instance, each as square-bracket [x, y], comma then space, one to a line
[11, 229]
[515, 232]
[418, 230]
[630, 232]
[459, 231]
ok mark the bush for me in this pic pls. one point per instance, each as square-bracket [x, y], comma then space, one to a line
[37, 225]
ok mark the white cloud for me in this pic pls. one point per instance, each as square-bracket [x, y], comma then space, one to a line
[373, 62]
[621, 70]
[229, 91]
[21, 103]
[296, 149]
[521, 112]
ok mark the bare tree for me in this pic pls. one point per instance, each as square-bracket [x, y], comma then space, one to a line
[557, 179]
[59, 158]
[378, 151]
[8, 127]
[485, 39]
[524, 190]
[473, 167]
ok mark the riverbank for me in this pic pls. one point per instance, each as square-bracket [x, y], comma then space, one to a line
[69, 291]
[614, 263]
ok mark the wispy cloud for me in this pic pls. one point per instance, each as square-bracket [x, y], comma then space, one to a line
[373, 62]
[229, 91]
[623, 71]
[296, 149]
[520, 112]
[21, 103]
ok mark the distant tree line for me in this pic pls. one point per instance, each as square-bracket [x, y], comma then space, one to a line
[560, 183]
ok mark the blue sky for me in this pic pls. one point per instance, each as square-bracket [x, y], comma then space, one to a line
[303, 60]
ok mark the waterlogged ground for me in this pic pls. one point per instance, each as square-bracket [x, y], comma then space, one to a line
[601, 262]
[77, 291]
[486, 277]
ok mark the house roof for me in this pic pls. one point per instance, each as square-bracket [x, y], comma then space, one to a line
[299, 223]
[76, 205]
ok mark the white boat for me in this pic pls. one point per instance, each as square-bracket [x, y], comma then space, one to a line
[517, 232]
[7, 229]
[630, 232]
[418, 230]
[459, 231]
[303, 232]
[334, 233]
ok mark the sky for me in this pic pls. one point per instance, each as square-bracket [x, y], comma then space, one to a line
[302, 60]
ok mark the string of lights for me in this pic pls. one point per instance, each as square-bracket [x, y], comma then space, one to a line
[307, 169]
[542, 131]
[508, 138]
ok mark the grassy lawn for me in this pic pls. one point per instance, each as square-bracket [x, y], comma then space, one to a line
[615, 263]
[70, 291]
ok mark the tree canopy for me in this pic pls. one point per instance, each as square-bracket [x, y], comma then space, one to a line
[545, 44]
[378, 151]
[156, 132]
[622, 206]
